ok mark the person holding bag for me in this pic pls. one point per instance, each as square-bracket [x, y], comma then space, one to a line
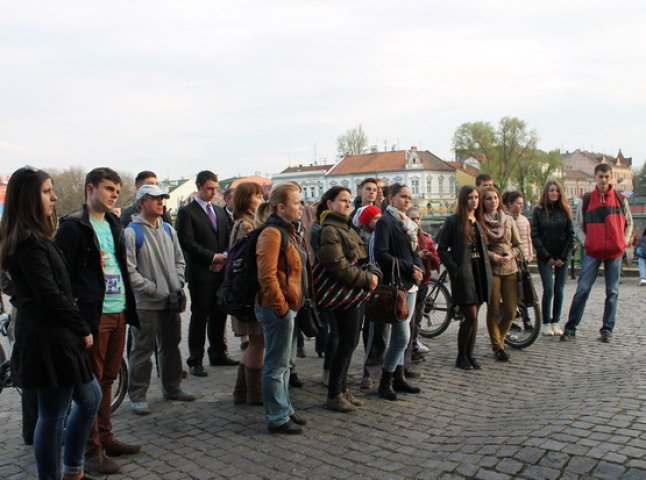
[342, 253]
[504, 248]
[396, 246]
[463, 252]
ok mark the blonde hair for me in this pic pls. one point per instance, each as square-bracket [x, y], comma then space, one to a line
[280, 194]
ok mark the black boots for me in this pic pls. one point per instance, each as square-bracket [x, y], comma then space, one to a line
[400, 384]
[386, 386]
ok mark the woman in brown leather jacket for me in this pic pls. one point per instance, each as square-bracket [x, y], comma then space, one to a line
[503, 243]
[278, 300]
[342, 253]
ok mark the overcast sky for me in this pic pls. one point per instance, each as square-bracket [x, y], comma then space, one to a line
[246, 86]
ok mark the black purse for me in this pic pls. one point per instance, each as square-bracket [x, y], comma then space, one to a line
[526, 291]
[307, 318]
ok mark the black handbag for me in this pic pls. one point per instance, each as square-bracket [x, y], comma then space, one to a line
[308, 320]
[526, 292]
[388, 303]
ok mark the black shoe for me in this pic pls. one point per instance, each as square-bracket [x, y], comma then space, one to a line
[463, 363]
[290, 428]
[502, 356]
[568, 337]
[198, 371]
[386, 386]
[400, 384]
[294, 381]
[223, 361]
[297, 419]
[606, 336]
[474, 363]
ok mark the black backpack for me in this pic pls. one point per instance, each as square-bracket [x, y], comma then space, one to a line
[237, 293]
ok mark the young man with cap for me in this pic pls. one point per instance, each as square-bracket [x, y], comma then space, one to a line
[95, 256]
[156, 270]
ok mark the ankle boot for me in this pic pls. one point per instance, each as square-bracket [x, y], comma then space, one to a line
[386, 386]
[254, 386]
[240, 388]
[400, 384]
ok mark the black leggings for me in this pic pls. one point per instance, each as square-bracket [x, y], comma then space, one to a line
[468, 330]
[348, 327]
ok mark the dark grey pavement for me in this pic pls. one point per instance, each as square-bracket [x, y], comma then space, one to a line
[558, 410]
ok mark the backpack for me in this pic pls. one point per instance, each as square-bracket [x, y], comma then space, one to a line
[139, 234]
[237, 294]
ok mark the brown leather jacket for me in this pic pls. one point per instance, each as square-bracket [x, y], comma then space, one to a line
[276, 291]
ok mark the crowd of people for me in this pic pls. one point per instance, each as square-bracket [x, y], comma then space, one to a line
[77, 285]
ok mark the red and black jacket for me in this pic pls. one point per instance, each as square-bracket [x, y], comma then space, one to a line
[604, 224]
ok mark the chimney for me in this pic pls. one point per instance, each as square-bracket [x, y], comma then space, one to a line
[413, 148]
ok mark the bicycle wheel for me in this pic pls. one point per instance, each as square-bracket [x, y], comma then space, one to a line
[120, 386]
[437, 314]
[4, 369]
[526, 327]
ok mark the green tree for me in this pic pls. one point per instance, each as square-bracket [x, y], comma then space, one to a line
[551, 167]
[639, 182]
[352, 142]
[507, 152]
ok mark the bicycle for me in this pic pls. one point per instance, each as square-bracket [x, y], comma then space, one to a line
[439, 313]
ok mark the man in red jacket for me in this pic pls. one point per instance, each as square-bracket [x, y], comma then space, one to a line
[604, 226]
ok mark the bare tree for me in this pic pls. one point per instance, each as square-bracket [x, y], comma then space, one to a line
[352, 142]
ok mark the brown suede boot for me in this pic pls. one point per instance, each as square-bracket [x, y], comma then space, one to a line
[254, 386]
[240, 388]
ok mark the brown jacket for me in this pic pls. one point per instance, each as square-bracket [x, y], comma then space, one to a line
[276, 291]
[510, 243]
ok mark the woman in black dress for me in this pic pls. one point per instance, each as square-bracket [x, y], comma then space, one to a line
[50, 352]
[463, 252]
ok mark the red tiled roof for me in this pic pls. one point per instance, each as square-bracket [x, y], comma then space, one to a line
[307, 168]
[465, 168]
[375, 163]
[253, 178]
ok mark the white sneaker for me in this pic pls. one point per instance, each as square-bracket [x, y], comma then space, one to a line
[421, 348]
[642, 282]
[556, 329]
[548, 329]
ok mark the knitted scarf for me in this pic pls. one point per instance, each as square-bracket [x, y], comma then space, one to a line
[495, 223]
[408, 225]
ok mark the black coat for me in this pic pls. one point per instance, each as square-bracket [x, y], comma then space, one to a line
[49, 349]
[456, 257]
[391, 242]
[552, 233]
[80, 246]
[200, 241]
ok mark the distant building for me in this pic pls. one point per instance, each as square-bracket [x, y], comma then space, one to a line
[431, 179]
[180, 192]
[579, 171]
[464, 174]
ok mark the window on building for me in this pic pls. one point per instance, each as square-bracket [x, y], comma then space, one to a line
[312, 192]
[414, 186]
[429, 185]
[440, 182]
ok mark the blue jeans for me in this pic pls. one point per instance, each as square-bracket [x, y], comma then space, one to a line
[553, 280]
[641, 263]
[50, 428]
[589, 270]
[279, 342]
[399, 338]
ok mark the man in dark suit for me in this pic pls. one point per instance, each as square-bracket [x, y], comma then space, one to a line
[203, 231]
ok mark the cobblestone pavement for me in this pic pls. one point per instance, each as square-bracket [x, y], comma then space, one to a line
[558, 410]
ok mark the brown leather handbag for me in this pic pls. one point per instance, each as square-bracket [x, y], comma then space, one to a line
[388, 303]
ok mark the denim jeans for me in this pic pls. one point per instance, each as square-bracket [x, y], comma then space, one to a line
[50, 428]
[399, 337]
[589, 270]
[279, 336]
[553, 280]
[641, 263]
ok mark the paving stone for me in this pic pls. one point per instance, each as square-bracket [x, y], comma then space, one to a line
[537, 472]
[608, 471]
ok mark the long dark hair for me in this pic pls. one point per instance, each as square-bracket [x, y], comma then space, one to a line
[544, 200]
[23, 213]
[462, 212]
